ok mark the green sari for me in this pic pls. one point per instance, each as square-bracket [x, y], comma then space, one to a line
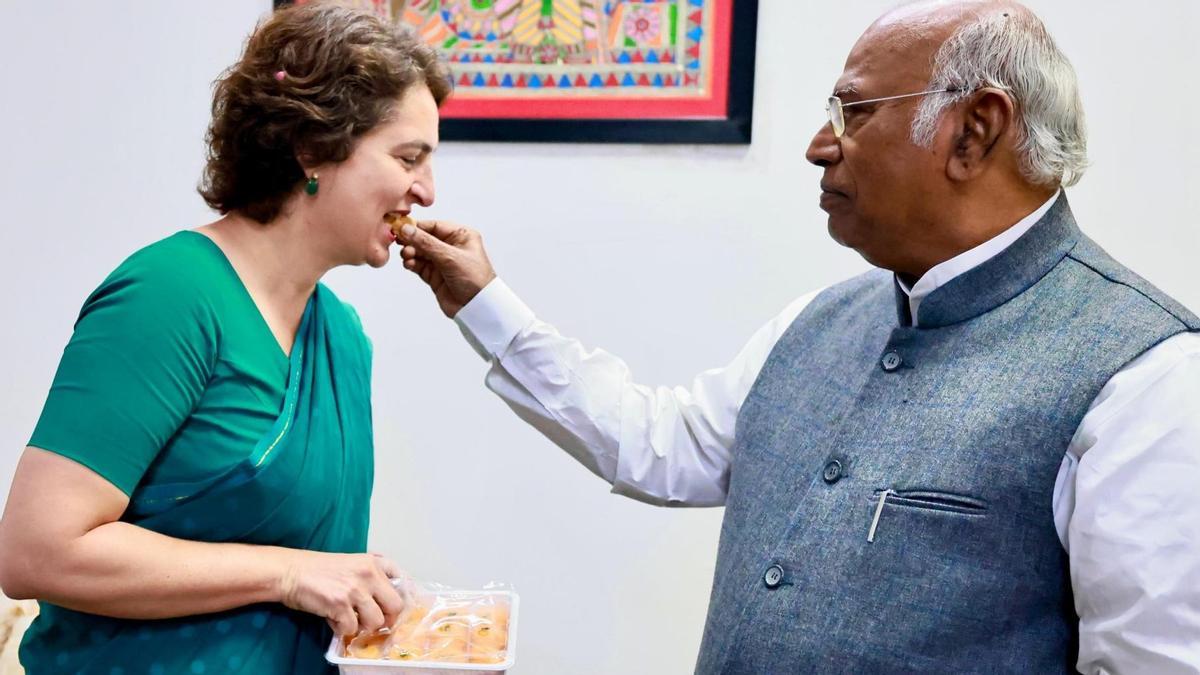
[306, 484]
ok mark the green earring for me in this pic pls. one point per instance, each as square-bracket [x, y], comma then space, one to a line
[312, 186]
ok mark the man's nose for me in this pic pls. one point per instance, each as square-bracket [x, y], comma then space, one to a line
[825, 148]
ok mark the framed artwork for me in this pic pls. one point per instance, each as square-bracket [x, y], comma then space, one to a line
[590, 71]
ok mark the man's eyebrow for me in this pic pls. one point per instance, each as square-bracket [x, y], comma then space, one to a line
[846, 89]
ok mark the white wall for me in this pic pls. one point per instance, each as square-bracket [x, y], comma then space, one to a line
[670, 257]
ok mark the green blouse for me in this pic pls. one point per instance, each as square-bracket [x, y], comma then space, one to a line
[172, 372]
[174, 389]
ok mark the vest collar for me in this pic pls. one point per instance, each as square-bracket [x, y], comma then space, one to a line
[999, 279]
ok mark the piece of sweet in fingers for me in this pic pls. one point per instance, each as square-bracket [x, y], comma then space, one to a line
[398, 221]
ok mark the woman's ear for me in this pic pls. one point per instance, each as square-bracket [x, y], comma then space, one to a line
[986, 119]
[305, 160]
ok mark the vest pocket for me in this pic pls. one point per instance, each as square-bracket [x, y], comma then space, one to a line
[923, 500]
[933, 500]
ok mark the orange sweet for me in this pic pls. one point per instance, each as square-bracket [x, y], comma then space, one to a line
[408, 650]
[411, 623]
[367, 646]
[415, 611]
[497, 613]
[456, 628]
[450, 627]
[488, 636]
[487, 657]
[447, 649]
[398, 222]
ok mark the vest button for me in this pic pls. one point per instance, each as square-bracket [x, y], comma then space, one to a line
[833, 472]
[773, 577]
[891, 362]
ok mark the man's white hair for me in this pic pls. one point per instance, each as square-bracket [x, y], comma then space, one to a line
[1013, 51]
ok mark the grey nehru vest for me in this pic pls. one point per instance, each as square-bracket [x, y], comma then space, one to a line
[958, 426]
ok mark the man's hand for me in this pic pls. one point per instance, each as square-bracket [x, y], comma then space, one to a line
[448, 257]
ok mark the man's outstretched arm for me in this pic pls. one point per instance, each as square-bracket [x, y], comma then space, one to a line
[661, 445]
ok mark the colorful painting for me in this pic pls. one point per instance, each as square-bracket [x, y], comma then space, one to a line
[591, 70]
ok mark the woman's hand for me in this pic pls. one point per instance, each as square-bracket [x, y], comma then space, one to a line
[353, 592]
[62, 541]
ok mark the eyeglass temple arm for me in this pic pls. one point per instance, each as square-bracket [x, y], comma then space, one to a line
[948, 90]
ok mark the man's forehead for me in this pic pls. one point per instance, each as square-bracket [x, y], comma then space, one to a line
[893, 54]
[898, 49]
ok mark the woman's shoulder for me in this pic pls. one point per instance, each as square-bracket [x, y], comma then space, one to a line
[183, 255]
[186, 260]
[181, 275]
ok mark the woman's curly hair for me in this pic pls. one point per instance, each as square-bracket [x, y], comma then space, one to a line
[312, 80]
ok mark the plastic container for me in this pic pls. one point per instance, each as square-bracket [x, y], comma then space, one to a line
[348, 665]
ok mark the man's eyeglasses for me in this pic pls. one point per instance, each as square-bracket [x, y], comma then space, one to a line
[837, 118]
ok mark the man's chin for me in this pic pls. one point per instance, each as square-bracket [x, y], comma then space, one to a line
[845, 235]
[838, 229]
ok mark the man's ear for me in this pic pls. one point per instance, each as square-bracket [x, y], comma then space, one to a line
[985, 119]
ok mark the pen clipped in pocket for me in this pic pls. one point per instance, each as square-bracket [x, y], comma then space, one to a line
[927, 500]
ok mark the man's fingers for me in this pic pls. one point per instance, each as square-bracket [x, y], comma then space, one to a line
[440, 229]
[425, 244]
[417, 266]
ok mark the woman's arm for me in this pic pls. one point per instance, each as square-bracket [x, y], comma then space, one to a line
[63, 543]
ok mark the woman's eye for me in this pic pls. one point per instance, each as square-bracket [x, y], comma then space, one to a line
[409, 161]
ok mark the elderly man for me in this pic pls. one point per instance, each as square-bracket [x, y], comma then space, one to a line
[980, 457]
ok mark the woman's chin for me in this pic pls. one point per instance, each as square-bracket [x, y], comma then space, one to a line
[378, 256]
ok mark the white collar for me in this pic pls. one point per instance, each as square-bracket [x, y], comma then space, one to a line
[941, 274]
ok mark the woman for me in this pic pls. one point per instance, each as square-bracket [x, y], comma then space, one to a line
[195, 494]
